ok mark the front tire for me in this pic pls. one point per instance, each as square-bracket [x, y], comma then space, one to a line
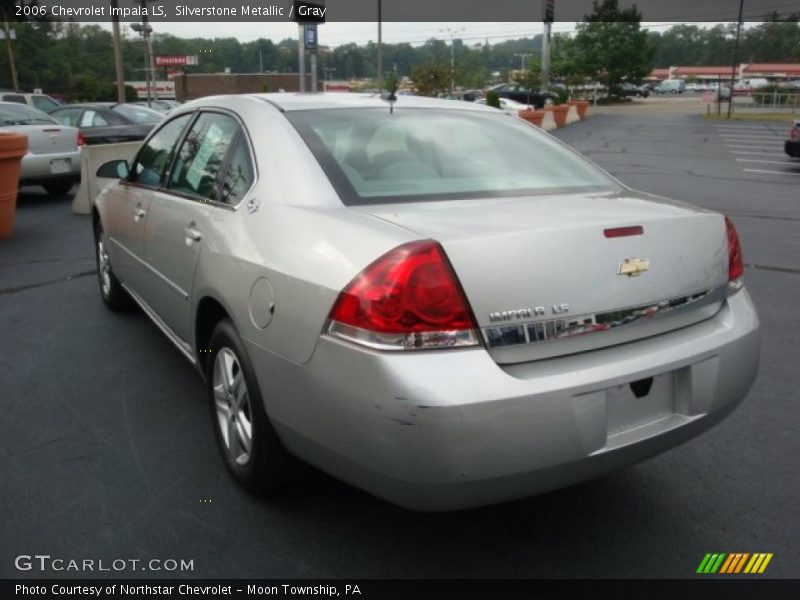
[252, 450]
[114, 295]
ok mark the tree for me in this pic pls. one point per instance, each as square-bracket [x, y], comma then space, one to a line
[611, 45]
[431, 78]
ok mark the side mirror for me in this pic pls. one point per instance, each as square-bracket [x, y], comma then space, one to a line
[114, 169]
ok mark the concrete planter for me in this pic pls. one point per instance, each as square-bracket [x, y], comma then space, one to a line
[581, 105]
[532, 116]
[13, 146]
[559, 113]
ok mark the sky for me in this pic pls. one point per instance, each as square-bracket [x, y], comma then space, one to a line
[335, 34]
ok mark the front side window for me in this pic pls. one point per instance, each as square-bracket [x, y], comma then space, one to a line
[155, 155]
[374, 155]
[44, 103]
[202, 156]
[67, 116]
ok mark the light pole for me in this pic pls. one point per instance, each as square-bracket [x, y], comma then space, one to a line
[735, 56]
[452, 33]
[9, 34]
[380, 40]
[117, 51]
[144, 30]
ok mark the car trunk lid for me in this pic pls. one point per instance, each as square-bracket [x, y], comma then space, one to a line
[49, 139]
[544, 280]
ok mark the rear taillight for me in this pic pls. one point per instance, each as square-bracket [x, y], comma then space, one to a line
[735, 264]
[81, 140]
[408, 299]
[794, 134]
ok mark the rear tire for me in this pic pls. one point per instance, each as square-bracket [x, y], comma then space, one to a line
[59, 187]
[249, 444]
[114, 295]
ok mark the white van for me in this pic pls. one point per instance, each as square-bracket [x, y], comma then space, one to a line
[670, 86]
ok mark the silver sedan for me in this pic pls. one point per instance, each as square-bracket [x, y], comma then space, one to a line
[53, 159]
[431, 300]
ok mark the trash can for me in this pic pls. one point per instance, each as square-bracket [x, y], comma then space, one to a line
[13, 146]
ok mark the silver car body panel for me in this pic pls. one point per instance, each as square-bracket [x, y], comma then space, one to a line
[453, 428]
[53, 152]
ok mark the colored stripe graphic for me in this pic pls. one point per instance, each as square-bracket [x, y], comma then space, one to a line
[734, 563]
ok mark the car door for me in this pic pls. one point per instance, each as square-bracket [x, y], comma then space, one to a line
[127, 203]
[180, 216]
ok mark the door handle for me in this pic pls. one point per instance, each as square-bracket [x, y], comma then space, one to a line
[138, 214]
[192, 234]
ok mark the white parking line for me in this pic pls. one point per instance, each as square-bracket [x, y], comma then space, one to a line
[771, 162]
[743, 127]
[751, 137]
[758, 153]
[752, 146]
[770, 172]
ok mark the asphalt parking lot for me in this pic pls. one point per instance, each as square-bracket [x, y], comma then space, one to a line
[107, 451]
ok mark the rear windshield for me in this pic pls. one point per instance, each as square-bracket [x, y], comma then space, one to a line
[372, 155]
[141, 115]
[22, 114]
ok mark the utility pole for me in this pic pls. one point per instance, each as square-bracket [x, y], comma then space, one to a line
[380, 40]
[735, 55]
[548, 16]
[117, 51]
[301, 56]
[9, 34]
[522, 57]
[452, 33]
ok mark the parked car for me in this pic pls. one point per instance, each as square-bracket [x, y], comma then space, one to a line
[792, 145]
[724, 93]
[107, 122]
[433, 301]
[632, 90]
[54, 151]
[41, 102]
[523, 95]
[510, 106]
[161, 106]
[670, 86]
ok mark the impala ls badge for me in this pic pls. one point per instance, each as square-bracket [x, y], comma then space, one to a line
[633, 267]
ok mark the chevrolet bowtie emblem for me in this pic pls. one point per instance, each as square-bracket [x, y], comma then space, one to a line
[633, 266]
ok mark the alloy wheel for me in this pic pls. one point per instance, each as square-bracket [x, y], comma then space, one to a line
[232, 403]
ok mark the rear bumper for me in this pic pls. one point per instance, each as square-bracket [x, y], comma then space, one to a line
[792, 148]
[37, 168]
[449, 430]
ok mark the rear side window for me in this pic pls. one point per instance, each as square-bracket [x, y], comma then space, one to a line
[238, 177]
[374, 155]
[19, 99]
[155, 155]
[202, 156]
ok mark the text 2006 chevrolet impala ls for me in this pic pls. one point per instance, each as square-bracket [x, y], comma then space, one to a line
[432, 300]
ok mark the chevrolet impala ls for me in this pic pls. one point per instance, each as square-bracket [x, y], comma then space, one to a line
[431, 300]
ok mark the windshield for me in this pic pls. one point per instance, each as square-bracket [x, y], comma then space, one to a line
[140, 115]
[21, 114]
[373, 156]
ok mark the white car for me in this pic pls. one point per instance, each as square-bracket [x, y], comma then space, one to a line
[54, 151]
[41, 102]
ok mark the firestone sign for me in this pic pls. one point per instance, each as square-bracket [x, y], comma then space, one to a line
[175, 60]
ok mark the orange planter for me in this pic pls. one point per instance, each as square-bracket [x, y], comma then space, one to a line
[581, 105]
[532, 116]
[559, 113]
[13, 147]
